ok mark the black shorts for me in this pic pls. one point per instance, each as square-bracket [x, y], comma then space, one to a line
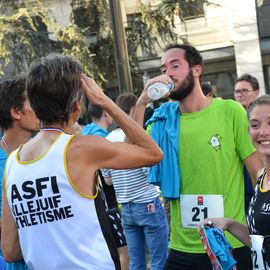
[117, 229]
[178, 260]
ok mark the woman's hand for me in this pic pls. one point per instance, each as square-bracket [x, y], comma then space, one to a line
[222, 223]
[238, 230]
[92, 91]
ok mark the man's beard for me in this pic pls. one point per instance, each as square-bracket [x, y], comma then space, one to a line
[184, 89]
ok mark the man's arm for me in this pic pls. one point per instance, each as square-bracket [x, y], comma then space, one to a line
[9, 235]
[253, 164]
[139, 111]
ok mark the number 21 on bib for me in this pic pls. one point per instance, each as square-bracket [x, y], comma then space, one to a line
[196, 208]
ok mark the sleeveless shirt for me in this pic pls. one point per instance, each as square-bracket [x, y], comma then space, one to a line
[258, 218]
[58, 226]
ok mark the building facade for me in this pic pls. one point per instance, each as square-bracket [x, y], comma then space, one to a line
[233, 37]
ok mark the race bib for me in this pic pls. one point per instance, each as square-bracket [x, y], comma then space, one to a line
[257, 251]
[195, 208]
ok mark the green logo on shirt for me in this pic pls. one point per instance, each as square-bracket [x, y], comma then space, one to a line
[215, 142]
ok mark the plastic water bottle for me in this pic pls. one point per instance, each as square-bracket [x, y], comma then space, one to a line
[159, 90]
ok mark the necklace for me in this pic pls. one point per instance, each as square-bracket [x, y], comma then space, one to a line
[3, 141]
[52, 129]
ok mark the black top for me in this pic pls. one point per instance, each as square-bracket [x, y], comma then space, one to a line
[258, 218]
[109, 192]
[106, 228]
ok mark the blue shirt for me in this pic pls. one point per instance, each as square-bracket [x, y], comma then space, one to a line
[3, 159]
[94, 129]
[20, 265]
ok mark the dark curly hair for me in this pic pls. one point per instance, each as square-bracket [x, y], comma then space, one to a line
[192, 55]
[12, 95]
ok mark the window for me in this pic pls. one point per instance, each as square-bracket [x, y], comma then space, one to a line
[222, 83]
[191, 9]
[263, 12]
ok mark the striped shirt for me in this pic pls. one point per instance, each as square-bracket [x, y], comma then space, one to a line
[130, 185]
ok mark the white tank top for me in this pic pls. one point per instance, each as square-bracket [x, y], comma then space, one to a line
[58, 226]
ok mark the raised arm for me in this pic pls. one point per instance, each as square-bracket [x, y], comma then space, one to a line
[139, 111]
[141, 149]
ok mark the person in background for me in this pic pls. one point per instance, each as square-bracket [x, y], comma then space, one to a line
[143, 217]
[51, 211]
[256, 234]
[246, 90]
[207, 89]
[19, 122]
[205, 142]
[101, 121]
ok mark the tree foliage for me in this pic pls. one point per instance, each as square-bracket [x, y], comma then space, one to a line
[93, 18]
[24, 35]
[29, 31]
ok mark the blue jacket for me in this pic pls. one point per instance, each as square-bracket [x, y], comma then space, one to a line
[165, 131]
[20, 265]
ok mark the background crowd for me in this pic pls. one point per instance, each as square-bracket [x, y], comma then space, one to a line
[93, 200]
